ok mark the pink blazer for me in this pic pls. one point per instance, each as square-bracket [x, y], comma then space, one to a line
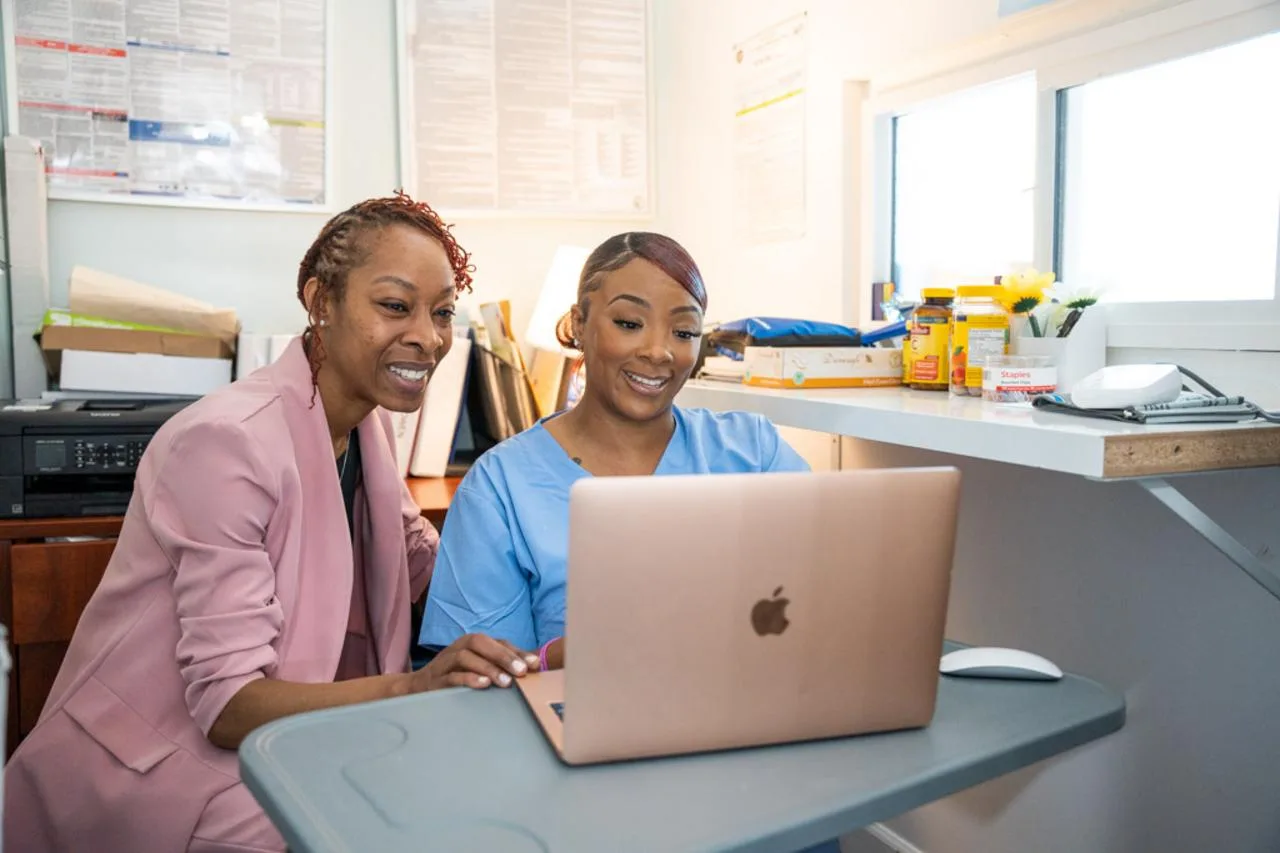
[234, 563]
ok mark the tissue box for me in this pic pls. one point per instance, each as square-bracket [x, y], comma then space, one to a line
[822, 367]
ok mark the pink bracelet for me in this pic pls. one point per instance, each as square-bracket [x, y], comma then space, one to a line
[542, 655]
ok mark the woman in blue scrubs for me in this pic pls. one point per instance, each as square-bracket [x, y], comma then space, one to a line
[638, 324]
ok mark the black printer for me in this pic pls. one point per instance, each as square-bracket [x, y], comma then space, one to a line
[73, 458]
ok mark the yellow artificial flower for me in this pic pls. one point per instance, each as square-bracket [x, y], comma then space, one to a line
[1021, 293]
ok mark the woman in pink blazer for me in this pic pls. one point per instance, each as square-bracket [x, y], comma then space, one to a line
[265, 567]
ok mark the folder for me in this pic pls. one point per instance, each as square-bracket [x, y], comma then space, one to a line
[404, 429]
[437, 431]
[550, 374]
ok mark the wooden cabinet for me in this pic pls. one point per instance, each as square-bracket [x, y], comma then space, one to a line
[45, 583]
[52, 583]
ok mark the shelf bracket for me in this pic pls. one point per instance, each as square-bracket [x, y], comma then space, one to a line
[1216, 534]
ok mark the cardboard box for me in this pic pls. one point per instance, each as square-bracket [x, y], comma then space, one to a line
[55, 339]
[142, 373]
[822, 367]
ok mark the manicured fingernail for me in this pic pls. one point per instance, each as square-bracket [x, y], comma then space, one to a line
[483, 681]
[519, 667]
[504, 679]
[531, 659]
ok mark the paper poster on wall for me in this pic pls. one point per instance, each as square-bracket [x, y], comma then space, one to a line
[1012, 7]
[527, 106]
[219, 102]
[770, 72]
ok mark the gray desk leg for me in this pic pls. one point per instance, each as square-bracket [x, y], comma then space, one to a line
[1218, 536]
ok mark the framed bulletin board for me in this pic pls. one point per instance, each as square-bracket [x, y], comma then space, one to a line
[212, 104]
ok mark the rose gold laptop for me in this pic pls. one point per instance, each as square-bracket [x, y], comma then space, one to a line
[719, 611]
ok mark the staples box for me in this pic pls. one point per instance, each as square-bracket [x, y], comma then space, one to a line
[822, 367]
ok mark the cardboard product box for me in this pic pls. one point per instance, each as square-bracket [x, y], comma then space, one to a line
[142, 373]
[822, 367]
[55, 339]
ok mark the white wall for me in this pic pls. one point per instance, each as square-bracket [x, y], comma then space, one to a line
[848, 40]
[249, 261]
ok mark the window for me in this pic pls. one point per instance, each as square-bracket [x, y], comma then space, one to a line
[964, 174]
[1129, 150]
[1171, 178]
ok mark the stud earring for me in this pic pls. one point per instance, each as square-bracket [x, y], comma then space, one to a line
[324, 323]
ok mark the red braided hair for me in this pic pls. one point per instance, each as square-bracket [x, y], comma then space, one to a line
[343, 244]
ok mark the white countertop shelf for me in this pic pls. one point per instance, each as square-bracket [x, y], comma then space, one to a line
[1013, 433]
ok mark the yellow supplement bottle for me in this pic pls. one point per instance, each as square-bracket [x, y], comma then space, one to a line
[979, 330]
[929, 341]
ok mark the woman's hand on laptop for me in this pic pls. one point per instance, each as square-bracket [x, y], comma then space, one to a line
[474, 660]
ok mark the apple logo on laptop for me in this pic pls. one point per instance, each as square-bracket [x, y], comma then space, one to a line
[769, 616]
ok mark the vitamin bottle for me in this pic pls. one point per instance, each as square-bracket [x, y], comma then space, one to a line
[929, 341]
[979, 329]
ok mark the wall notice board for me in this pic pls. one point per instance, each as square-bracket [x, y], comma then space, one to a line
[526, 107]
[208, 102]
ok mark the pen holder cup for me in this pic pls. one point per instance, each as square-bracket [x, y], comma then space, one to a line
[1079, 354]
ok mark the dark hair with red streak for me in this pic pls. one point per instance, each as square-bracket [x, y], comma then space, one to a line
[618, 251]
[344, 244]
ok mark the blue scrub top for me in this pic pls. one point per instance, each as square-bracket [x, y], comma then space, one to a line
[501, 566]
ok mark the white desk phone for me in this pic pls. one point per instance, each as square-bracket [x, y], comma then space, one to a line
[1151, 394]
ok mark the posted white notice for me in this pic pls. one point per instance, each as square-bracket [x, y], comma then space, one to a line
[194, 100]
[533, 106]
[770, 72]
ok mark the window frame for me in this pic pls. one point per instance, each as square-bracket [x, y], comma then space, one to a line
[1065, 45]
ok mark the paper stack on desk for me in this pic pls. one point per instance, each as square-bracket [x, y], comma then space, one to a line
[122, 337]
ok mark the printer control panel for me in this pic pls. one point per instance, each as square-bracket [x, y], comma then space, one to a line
[73, 454]
[107, 454]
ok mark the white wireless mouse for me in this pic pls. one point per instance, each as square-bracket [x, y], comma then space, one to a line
[993, 662]
[1121, 385]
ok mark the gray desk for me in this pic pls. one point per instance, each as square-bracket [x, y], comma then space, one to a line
[458, 770]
